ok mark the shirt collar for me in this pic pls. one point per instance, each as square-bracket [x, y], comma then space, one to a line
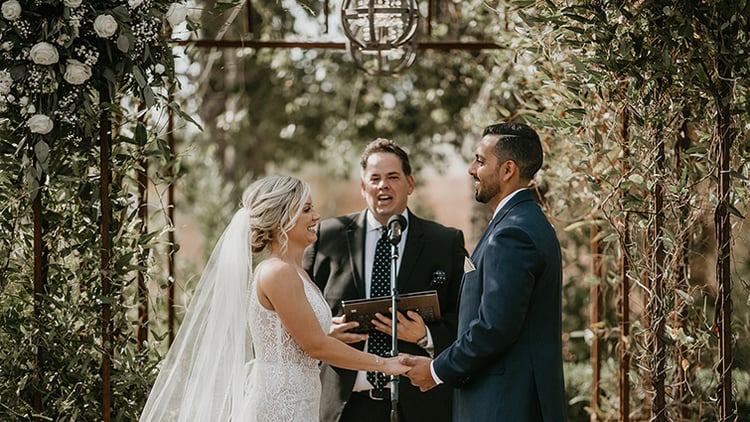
[505, 201]
[373, 224]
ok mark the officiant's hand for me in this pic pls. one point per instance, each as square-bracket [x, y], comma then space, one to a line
[411, 326]
[340, 330]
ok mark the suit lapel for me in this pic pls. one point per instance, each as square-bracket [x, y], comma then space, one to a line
[477, 255]
[522, 196]
[355, 239]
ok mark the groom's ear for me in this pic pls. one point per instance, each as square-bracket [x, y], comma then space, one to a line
[508, 170]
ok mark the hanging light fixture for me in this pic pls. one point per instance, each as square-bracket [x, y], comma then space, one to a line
[380, 34]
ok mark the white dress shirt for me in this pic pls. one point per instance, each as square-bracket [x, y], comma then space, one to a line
[372, 234]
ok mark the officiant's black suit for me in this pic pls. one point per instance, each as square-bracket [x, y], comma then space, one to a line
[336, 264]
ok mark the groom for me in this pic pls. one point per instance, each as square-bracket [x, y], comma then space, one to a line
[506, 364]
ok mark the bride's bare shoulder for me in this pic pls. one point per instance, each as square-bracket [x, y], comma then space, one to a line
[272, 269]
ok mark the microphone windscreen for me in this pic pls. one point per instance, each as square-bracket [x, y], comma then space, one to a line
[397, 218]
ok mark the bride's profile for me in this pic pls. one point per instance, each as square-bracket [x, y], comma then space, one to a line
[249, 345]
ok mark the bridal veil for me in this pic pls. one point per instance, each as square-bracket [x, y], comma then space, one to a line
[202, 377]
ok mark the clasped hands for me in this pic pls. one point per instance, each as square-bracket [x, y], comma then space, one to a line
[411, 328]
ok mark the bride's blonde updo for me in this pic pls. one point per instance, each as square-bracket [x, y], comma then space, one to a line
[273, 202]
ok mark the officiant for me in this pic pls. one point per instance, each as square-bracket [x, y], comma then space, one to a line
[352, 260]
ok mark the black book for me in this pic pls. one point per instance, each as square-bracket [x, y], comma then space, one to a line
[364, 310]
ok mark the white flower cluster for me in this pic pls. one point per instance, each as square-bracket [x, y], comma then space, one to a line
[55, 55]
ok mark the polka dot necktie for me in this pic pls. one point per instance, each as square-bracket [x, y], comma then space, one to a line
[380, 283]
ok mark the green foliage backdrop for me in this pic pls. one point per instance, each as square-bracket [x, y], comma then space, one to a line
[625, 96]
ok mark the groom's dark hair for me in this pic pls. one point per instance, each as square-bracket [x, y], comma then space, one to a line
[519, 143]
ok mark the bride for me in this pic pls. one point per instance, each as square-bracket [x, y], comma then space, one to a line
[249, 345]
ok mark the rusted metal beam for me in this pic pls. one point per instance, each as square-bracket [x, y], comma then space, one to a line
[40, 282]
[170, 235]
[624, 317]
[656, 296]
[141, 329]
[683, 357]
[105, 143]
[596, 317]
[723, 316]
[442, 45]
[430, 15]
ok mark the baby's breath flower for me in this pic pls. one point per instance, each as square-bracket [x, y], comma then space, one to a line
[5, 82]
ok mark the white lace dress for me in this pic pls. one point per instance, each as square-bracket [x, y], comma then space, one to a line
[284, 381]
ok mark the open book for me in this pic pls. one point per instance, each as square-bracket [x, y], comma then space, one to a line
[364, 310]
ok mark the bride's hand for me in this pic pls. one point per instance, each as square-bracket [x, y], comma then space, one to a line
[392, 366]
[340, 330]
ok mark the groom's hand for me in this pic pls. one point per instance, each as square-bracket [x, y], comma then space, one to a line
[340, 330]
[419, 374]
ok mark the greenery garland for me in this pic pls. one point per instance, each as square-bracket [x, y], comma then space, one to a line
[65, 65]
[61, 61]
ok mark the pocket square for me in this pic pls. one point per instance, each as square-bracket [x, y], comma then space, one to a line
[468, 265]
[438, 278]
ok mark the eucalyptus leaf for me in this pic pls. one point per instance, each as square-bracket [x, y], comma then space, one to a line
[123, 43]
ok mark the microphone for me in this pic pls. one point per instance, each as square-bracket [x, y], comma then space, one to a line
[396, 225]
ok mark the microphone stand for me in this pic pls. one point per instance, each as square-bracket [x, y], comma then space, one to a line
[394, 329]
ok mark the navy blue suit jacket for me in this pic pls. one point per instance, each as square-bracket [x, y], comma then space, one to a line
[506, 363]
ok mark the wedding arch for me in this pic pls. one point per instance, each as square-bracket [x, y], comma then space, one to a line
[87, 108]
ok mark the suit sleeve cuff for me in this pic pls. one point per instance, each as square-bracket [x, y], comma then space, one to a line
[434, 375]
[427, 344]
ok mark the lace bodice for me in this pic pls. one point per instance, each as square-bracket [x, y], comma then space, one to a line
[284, 383]
[272, 342]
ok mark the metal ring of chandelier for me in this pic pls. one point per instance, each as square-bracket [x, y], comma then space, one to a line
[380, 34]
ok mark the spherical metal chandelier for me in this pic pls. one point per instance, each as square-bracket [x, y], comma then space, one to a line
[380, 34]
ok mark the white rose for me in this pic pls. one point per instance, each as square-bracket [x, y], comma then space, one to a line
[39, 123]
[134, 3]
[11, 10]
[5, 82]
[176, 14]
[159, 68]
[72, 3]
[76, 72]
[105, 26]
[44, 53]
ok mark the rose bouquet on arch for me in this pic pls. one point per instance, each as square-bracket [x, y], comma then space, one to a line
[62, 60]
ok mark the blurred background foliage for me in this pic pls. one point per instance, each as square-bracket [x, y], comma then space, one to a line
[580, 71]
